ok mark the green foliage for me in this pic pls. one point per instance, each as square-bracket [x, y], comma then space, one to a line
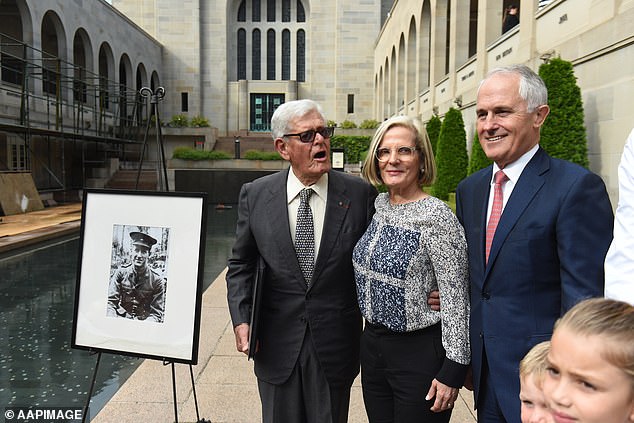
[188, 153]
[348, 124]
[563, 134]
[478, 159]
[353, 145]
[179, 121]
[433, 130]
[199, 122]
[451, 155]
[262, 155]
[332, 123]
[369, 124]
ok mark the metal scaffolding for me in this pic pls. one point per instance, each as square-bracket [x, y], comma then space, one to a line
[51, 105]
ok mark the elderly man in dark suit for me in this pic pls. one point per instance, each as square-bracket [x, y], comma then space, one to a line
[537, 230]
[302, 223]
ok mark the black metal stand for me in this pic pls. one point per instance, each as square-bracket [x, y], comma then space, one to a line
[92, 385]
[161, 167]
[191, 373]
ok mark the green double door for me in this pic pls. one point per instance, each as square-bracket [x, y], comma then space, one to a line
[262, 108]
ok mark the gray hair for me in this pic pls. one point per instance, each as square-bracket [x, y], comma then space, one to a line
[532, 88]
[289, 111]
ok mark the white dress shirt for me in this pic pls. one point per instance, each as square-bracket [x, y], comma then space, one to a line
[317, 204]
[619, 262]
[513, 171]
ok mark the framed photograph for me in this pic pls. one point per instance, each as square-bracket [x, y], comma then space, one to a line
[139, 277]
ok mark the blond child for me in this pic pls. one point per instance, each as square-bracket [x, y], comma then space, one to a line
[590, 376]
[532, 373]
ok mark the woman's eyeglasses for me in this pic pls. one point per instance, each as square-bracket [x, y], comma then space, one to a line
[403, 153]
[309, 136]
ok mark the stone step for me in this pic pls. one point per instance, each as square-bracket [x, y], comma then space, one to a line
[126, 179]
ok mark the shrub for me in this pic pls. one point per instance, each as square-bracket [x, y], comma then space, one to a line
[262, 155]
[451, 157]
[433, 129]
[563, 134]
[348, 124]
[353, 145]
[199, 122]
[369, 124]
[478, 159]
[332, 123]
[179, 121]
[188, 153]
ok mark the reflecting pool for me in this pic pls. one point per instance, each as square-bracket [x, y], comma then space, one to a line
[37, 294]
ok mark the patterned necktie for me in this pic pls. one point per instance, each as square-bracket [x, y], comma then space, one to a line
[305, 235]
[496, 210]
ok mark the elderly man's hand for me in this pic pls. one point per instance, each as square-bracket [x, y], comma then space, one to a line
[434, 300]
[242, 337]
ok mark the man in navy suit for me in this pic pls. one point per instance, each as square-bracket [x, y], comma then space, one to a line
[546, 252]
[309, 325]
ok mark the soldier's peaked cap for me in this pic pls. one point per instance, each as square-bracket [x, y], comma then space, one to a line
[139, 238]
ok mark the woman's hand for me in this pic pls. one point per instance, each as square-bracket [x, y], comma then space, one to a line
[445, 396]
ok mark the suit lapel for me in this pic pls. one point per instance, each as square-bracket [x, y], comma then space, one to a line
[336, 209]
[530, 182]
[277, 211]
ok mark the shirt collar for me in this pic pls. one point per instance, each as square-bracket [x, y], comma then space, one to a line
[514, 170]
[294, 186]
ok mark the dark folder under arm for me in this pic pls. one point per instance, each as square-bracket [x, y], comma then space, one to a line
[258, 282]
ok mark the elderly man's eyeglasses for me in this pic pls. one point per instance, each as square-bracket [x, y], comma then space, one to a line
[309, 136]
[403, 153]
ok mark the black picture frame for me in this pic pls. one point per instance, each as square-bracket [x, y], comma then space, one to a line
[109, 314]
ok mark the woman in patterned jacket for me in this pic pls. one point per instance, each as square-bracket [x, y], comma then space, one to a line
[413, 359]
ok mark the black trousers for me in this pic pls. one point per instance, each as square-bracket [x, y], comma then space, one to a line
[396, 373]
[306, 397]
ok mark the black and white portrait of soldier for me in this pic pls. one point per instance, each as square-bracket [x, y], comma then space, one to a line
[137, 284]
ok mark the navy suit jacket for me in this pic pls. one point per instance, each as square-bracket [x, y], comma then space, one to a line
[329, 306]
[547, 255]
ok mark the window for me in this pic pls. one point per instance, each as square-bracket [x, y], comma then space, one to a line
[301, 14]
[242, 54]
[350, 103]
[18, 154]
[301, 56]
[270, 54]
[242, 12]
[255, 10]
[184, 102]
[270, 10]
[286, 55]
[256, 53]
[286, 10]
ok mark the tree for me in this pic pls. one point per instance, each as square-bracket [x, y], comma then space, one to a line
[478, 159]
[563, 134]
[451, 155]
[433, 129]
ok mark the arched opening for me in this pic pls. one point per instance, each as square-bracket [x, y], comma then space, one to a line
[53, 52]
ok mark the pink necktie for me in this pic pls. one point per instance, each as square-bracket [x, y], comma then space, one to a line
[496, 210]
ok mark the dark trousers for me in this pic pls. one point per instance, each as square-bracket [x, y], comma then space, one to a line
[396, 373]
[488, 410]
[306, 397]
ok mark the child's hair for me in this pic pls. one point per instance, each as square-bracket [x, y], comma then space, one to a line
[535, 363]
[611, 319]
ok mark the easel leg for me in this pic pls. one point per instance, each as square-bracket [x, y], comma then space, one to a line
[92, 385]
[174, 388]
[198, 419]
